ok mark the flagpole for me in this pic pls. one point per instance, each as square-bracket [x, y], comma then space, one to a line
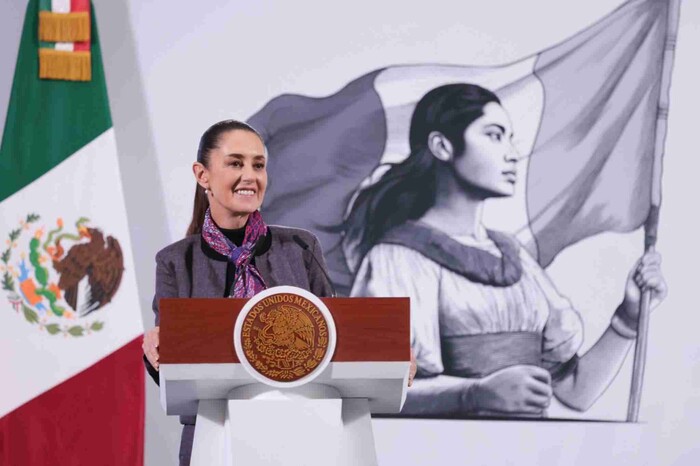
[652, 222]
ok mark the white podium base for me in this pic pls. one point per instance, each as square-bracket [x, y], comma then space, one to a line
[260, 425]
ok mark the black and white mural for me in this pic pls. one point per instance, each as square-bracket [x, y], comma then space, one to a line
[521, 225]
[459, 186]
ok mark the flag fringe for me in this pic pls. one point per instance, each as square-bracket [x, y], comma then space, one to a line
[60, 64]
[64, 27]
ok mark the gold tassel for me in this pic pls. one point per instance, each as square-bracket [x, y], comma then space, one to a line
[60, 64]
[64, 27]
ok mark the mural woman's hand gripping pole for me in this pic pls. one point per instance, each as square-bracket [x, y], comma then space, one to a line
[645, 277]
[597, 368]
[645, 289]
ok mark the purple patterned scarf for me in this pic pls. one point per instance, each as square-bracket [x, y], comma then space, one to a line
[247, 281]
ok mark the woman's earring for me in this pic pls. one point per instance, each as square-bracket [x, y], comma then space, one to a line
[206, 191]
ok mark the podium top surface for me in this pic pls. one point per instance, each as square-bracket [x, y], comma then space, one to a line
[200, 330]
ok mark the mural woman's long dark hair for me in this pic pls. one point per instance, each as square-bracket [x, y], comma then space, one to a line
[208, 142]
[407, 189]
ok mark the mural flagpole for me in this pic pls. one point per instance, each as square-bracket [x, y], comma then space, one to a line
[652, 222]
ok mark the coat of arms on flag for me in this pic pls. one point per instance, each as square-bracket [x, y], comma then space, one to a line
[58, 277]
[586, 120]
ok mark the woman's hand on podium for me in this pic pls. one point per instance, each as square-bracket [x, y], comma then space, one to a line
[151, 340]
[412, 370]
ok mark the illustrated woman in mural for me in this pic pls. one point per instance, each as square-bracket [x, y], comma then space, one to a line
[491, 333]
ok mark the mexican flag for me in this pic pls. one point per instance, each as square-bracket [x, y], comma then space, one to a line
[70, 325]
[585, 115]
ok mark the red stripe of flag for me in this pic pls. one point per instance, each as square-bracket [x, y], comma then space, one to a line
[95, 417]
[75, 6]
[79, 5]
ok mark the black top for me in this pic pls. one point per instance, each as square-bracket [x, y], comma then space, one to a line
[234, 235]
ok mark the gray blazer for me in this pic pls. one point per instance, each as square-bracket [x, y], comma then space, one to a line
[186, 270]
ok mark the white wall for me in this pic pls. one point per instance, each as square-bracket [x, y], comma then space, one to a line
[173, 68]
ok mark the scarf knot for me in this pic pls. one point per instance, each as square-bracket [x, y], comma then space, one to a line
[247, 281]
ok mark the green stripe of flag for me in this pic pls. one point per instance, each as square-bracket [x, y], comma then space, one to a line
[47, 120]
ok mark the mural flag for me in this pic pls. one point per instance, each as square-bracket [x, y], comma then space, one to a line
[584, 113]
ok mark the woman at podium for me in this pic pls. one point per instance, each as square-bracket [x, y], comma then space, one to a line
[229, 250]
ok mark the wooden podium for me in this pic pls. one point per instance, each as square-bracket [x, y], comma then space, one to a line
[244, 419]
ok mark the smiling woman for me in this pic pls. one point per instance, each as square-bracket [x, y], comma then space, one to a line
[229, 251]
[231, 175]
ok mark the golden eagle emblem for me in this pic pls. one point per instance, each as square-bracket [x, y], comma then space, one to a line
[284, 337]
[288, 327]
[62, 276]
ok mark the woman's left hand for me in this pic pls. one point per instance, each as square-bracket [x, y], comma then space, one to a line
[645, 275]
[412, 370]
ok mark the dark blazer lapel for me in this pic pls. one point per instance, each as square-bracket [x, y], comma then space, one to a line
[262, 263]
[279, 271]
[208, 276]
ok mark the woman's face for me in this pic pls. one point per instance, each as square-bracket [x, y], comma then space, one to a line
[489, 160]
[236, 177]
